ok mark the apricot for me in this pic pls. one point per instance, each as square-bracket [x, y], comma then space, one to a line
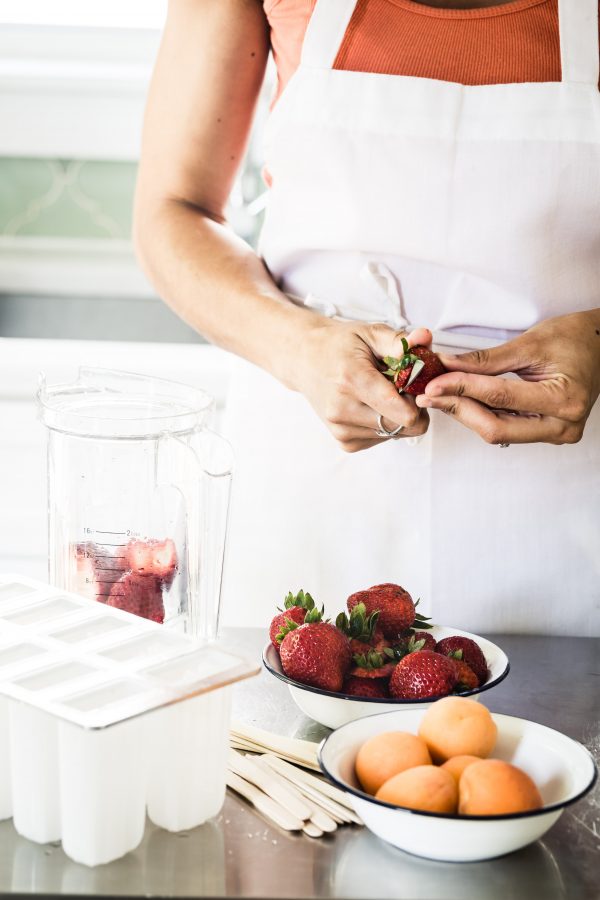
[457, 726]
[456, 765]
[388, 754]
[492, 787]
[424, 787]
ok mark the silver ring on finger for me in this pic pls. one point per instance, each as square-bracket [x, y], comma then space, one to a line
[381, 430]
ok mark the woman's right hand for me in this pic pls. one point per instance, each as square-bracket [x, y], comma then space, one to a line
[339, 372]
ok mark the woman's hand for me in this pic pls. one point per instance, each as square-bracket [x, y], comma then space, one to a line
[558, 364]
[339, 373]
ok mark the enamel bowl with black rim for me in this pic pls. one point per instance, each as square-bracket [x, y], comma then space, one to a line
[333, 710]
[562, 768]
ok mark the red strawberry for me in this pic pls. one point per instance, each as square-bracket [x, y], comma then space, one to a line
[416, 642]
[414, 370]
[378, 643]
[297, 610]
[371, 665]
[158, 558]
[363, 631]
[317, 654]
[466, 678]
[138, 594]
[394, 604]
[361, 687]
[422, 636]
[422, 675]
[278, 623]
[472, 654]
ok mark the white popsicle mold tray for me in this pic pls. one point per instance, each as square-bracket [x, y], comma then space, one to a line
[105, 717]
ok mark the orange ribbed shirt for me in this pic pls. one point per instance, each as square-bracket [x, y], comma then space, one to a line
[513, 42]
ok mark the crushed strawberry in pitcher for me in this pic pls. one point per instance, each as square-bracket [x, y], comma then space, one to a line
[132, 577]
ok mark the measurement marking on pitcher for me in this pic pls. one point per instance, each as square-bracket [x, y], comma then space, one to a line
[106, 544]
[110, 532]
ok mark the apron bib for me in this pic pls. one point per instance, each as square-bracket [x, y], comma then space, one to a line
[474, 210]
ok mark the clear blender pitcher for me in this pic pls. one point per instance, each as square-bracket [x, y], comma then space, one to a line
[138, 496]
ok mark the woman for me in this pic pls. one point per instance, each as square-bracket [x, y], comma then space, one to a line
[431, 164]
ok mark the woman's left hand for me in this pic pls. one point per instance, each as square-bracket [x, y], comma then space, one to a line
[558, 364]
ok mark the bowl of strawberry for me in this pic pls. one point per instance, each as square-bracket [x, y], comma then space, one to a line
[379, 655]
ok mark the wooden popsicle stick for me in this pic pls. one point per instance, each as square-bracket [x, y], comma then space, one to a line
[270, 783]
[320, 784]
[340, 813]
[309, 784]
[312, 830]
[330, 806]
[306, 751]
[239, 744]
[318, 815]
[265, 805]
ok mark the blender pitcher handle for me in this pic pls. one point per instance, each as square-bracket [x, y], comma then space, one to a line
[208, 492]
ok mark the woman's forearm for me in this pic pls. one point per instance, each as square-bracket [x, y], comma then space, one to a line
[200, 109]
[215, 282]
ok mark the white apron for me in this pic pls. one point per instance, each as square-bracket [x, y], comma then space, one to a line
[473, 210]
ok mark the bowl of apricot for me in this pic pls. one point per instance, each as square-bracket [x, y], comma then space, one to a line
[455, 782]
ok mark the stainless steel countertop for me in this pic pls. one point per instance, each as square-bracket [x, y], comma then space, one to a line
[555, 681]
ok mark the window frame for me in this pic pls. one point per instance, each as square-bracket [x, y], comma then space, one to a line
[53, 76]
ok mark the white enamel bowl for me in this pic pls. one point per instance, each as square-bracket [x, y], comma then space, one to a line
[562, 769]
[333, 710]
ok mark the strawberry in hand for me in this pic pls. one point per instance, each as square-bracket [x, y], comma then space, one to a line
[413, 371]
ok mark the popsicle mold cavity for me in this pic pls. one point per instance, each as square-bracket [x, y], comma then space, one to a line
[48, 678]
[41, 612]
[104, 715]
[102, 791]
[107, 695]
[148, 645]
[34, 756]
[92, 628]
[12, 590]
[189, 742]
[18, 653]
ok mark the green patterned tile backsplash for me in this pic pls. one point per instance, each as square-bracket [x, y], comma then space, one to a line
[66, 198]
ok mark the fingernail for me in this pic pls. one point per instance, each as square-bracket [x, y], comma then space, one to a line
[424, 402]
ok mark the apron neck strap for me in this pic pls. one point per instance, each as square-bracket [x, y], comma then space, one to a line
[578, 20]
[325, 32]
[580, 58]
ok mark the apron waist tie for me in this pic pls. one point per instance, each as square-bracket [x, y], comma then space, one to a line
[378, 275]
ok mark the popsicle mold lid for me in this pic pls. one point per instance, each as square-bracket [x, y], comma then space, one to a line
[95, 666]
[107, 403]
